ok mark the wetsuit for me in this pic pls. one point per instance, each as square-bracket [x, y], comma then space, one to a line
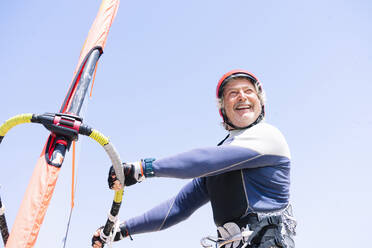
[248, 173]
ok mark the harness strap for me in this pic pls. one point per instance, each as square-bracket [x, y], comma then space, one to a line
[272, 243]
[263, 226]
[263, 232]
[266, 234]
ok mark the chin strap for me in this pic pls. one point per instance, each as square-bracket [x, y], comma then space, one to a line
[228, 122]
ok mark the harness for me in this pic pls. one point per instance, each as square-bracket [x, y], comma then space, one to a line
[266, 232]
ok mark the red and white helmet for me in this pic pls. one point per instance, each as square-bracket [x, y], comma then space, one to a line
[238, 73]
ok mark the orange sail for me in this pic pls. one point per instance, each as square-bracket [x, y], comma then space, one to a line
[42, 183]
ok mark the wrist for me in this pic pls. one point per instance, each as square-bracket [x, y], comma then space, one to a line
[146, 163]
[122, 233]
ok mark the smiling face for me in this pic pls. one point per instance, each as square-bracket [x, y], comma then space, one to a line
[241, 103]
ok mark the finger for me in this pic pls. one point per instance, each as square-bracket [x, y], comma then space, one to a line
[97, 244]
[117, 185]
[98, 232]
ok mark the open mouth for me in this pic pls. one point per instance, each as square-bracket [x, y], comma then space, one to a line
[243, 107]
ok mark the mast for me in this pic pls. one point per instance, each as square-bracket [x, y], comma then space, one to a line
[43, 180]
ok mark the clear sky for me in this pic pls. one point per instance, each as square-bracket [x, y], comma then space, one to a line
[154, 97]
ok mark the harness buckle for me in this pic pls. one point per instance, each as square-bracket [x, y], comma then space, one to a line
[231, 237]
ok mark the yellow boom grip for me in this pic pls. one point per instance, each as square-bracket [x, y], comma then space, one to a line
[99, 137]
[14, 121]
[118, 196]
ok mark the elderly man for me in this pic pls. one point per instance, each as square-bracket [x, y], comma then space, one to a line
[246, 178]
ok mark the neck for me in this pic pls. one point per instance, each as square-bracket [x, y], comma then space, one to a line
[231, 127]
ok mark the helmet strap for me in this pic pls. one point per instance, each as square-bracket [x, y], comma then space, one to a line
[228, 122]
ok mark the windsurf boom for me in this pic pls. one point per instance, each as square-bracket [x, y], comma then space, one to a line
[43, 180]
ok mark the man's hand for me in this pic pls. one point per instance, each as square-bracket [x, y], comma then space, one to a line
[133, 174]
[97, 242]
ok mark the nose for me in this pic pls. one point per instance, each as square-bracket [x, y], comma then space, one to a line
[242, 95]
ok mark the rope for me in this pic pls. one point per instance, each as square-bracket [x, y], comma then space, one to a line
[73, 188]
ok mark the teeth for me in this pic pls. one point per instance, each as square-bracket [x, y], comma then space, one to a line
[243, 107]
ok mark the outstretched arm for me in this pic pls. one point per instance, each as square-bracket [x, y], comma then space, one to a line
[191, 197]
[204, 162]
[261, 145]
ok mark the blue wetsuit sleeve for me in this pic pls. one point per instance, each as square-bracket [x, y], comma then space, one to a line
[212, 161]
[192, 196]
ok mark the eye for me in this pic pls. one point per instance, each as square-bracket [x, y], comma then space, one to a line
[248, 91]
[233, 93]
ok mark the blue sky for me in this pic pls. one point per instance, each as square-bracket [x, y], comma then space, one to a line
[154, 97]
